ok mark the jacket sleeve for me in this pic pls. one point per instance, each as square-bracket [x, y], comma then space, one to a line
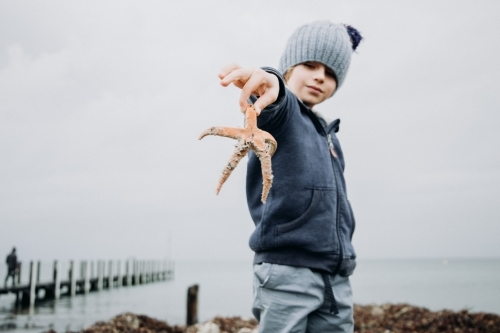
[274, 115]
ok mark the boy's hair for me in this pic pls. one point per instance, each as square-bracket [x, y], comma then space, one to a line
[322, 41]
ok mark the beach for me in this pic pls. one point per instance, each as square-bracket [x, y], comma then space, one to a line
[386, 318]
[454, 285]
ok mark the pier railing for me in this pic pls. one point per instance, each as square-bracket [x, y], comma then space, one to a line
[90, 276]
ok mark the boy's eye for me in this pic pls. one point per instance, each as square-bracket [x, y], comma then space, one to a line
[330, 73]
[309, 64]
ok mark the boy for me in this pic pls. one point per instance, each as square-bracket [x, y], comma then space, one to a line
[302, 240]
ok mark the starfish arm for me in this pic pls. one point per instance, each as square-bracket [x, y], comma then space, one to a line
[251, 118]
[228, 132]
[267, 175]
[271, 143]
[239, 152]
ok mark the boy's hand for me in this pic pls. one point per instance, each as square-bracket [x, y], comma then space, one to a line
[251, 81]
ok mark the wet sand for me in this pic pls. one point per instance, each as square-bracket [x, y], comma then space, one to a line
[387, 318]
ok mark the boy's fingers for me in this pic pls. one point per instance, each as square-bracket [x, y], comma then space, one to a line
[268, 91]
[236, 75]
[251, 86]
[228, 69]
[269, 97]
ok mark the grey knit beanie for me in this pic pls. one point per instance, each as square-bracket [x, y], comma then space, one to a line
[320, 41]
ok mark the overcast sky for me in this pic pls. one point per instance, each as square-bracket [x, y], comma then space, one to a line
[102, 102]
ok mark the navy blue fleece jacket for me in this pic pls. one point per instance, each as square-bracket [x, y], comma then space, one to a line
[307, 220]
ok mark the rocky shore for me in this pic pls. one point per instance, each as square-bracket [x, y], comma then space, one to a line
[387, 318]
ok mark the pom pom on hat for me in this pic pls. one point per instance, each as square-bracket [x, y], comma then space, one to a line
[355, 36]
[322, 41]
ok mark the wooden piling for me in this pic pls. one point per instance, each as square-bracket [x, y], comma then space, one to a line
[148, 271]
[38, 269]
[110, 274]
[192, 305]
[57, 279]
[72, 278]
[128, 272]
[33, 281]
[119, 280]
[141, 272]
[100, 275]
[19, 265]
[86, 277]
[134, 270]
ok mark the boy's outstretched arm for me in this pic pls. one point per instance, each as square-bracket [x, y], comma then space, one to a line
[251, 81]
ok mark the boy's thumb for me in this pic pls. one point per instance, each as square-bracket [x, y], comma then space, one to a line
[257, 108]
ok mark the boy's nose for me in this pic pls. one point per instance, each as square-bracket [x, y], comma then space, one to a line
[319, 75]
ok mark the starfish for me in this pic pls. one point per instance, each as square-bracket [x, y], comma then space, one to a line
[249, 137]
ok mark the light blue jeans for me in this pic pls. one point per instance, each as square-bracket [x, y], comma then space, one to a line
[291, 299]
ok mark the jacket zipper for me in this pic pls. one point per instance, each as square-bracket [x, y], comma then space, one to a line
[330, 144]
[334, 155]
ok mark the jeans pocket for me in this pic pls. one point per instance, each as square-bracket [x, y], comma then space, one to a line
[262, 272]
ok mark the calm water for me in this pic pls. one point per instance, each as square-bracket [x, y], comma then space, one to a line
[225, 289]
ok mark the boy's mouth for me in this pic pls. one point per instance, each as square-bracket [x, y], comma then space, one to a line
[315, 88]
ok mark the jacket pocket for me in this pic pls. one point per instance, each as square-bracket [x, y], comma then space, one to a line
[298, 222]
[353, 219]
[315, 229]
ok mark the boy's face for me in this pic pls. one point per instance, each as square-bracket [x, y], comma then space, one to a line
[312, 83]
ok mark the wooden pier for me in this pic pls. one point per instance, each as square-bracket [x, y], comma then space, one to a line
[92, 278]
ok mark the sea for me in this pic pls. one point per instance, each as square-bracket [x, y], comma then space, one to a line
[225, 289]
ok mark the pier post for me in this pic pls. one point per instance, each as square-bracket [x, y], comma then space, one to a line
[100, 277]
[153, 270]
[110, 274]
[33, 277]
[152, 273]
[72, 278]
[19, 265]
[86, 277]
[137, 272]
[57, 279]
[134, 271]
[119, 278]
[141, 272]
[127, 270]
[38, 269]
[192, 305]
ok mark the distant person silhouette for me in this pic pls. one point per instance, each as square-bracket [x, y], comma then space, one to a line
[11, 262]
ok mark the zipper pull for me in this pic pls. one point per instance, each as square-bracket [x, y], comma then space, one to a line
[330, 144]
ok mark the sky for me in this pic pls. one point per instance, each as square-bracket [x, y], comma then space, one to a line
[102, 102]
